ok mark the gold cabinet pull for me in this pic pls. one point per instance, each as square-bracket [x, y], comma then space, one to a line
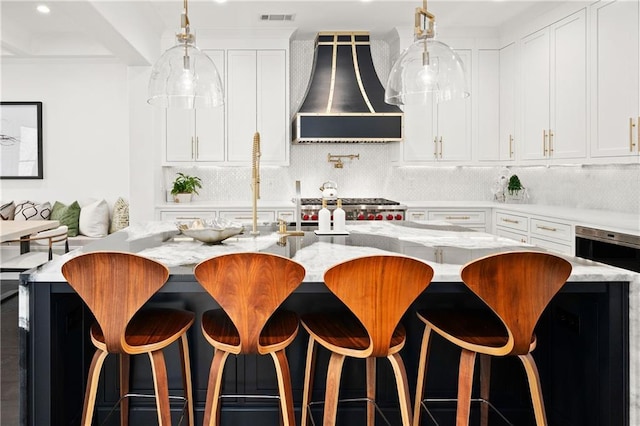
[510, 146]
[457, 217]
[510, 220]
[441, 147]
[435, 147]
[550, 143]
[544, 143]
[631, 126]
[546, 228]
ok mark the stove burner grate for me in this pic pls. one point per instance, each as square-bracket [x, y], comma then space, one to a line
[351, 202]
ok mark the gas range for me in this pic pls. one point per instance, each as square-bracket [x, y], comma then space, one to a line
[355, 208]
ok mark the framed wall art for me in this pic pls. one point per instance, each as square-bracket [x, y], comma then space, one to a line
[21, 140]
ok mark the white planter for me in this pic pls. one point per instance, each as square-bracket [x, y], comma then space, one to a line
[182, 198]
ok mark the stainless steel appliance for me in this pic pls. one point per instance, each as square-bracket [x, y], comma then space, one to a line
[612, 248]
[355, 209]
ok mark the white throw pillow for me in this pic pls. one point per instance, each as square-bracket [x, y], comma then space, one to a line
[94, 219]
[32, 210]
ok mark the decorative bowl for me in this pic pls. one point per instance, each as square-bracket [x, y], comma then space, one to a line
[210, 231]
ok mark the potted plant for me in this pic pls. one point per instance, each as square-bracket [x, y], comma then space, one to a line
[184, 186]
[515, 189]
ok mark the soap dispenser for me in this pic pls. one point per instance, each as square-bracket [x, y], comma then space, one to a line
[339, 218]
[324, 218]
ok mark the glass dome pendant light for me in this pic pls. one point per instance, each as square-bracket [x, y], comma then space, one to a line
[184, 76]
[427, 69]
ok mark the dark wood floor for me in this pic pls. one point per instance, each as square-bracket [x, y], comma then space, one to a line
[9, 361]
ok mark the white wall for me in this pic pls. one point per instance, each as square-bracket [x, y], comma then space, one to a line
[85, 129]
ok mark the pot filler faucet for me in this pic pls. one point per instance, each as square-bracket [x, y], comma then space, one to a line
[255, 181]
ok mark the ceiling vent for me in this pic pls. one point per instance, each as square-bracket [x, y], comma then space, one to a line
[345, 100]
[277, 17]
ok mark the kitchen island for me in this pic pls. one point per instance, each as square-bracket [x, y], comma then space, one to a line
[583, 350]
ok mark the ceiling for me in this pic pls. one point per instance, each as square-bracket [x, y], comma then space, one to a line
[131, 31]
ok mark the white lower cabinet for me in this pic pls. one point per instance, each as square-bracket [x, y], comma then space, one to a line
[246, 216]
[472, 219]
[551, 234]
[512, 226]
[186, 215]
[416, 215]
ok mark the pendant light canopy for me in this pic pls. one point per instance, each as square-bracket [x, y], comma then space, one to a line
[184, 76]
[427, 69]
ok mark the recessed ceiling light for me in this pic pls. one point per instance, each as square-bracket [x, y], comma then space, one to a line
[43, 8]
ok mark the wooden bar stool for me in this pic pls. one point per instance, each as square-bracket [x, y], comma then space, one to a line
[377, 290]
[516, 288]
[249, 287]
[115, 286]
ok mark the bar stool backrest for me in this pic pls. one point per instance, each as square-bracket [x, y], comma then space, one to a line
[517, 286]
[379, 290]
[114, 285]
[249, 287]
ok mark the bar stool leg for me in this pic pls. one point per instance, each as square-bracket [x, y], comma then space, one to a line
[284, 386]
[309, 371]
[422, 374]
[534, 388]
[371, 391]
[186, 377]
[92, 386]
[465, 383]
[485, 384]
[403, 387]
[212, 405]
[333, 388]
[124, 389]
[161, 385]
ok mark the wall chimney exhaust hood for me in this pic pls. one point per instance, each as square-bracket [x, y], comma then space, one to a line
[345, 99]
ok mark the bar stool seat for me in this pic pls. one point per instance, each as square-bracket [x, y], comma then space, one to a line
[514, 289]
[376, 291]
[346, 333]
[151, 329]
[279, 332]
[249, 287]
[473, 329]
[115, 286]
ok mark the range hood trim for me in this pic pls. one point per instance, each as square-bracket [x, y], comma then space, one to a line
[353, 118]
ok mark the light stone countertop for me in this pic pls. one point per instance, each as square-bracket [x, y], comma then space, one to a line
[317, 254]
[615, 221]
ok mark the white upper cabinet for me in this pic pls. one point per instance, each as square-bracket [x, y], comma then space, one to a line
[196, 135]
[488, 97]
[507, 132]
[439, 131]
[495, 103]
[615, 79]
[258, 99]
[554, 91]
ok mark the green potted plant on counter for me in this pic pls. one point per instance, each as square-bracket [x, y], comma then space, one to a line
[515, 191]
[184, 186]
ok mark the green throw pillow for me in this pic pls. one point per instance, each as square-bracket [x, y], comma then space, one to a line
[67, 215]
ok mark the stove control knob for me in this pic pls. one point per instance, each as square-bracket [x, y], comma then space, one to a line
[398, 216]
[371, 216]
[389, 216]
[305, 217]
[379, 217]
[360, 216]
[314, 217]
